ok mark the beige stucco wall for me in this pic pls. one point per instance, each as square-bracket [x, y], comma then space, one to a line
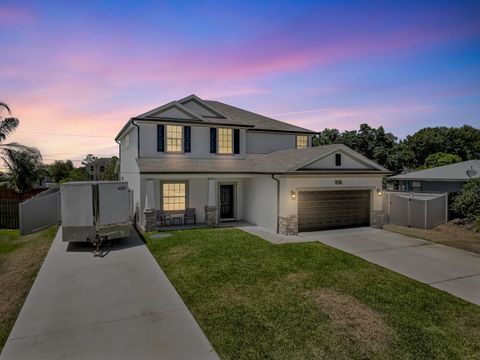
[198, 190]
[129, 170]
[267, 142]
[260, 201]
[200, 142]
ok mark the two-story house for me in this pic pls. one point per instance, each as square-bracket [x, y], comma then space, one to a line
[231, 164]
[96, 168]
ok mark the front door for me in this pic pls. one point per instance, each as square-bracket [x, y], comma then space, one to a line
[227, 198]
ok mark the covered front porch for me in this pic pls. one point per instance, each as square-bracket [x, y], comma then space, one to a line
[173, 201]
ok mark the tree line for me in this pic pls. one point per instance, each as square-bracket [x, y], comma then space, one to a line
[428, 147]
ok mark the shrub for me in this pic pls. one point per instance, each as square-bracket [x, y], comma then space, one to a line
[467, 203]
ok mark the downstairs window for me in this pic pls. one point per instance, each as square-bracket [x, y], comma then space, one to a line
[174, 196]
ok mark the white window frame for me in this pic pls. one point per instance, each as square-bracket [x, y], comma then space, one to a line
[218, 141]
[297, 137]
[182, 140]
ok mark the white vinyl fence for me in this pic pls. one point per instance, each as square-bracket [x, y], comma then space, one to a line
[418, 210]
[39, 212]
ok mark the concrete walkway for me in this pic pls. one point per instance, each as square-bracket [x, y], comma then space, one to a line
[121, 306]
[443, 267]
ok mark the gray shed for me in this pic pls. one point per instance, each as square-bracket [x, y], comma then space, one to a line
[418, 210]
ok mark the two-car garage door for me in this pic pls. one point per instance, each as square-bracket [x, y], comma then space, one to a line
[322, 210]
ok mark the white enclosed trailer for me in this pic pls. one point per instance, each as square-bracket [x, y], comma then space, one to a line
[95, 210]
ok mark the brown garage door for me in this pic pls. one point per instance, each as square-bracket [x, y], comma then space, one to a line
[322, 210]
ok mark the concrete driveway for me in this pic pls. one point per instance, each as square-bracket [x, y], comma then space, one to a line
[443, 267]
[121, 306]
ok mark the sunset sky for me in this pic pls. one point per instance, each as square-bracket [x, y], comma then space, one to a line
[75, 72]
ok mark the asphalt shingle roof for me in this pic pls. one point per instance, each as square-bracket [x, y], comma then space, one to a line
[283, 161]
[452, 172]
[245, 117]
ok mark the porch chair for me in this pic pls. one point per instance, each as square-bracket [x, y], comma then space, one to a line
[189, 215]
[163, 219]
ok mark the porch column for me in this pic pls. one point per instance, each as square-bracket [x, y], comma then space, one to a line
[211, 207]
[150, 211]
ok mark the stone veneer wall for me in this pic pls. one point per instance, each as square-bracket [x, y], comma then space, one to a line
[211, 215]
[288, 225]
[150, 220]
[377, 219]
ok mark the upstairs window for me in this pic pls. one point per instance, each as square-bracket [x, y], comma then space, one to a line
[338, 159]
[174, 138]
[302, 141]
[225, 141]
[174, 196]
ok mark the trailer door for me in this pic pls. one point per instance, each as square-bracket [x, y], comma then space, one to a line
[113, 203]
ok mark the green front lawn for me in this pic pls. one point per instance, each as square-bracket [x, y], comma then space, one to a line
[256, 300]
[20, 260]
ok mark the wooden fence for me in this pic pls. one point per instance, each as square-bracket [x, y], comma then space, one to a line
[9, 214]
[9, 201]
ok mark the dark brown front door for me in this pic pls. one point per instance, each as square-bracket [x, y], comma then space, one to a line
[227, 201]
[322, 210]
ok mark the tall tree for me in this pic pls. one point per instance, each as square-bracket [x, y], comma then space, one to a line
[376, 144]
[60, 169]
[441, 159]
[76, 174]
[463, 141]
[25, 168]
[110, 173]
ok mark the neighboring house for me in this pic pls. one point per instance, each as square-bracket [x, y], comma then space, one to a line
[231, 164]
[447, 178]
[96, 168]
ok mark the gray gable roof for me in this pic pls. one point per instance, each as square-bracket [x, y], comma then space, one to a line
[259, 122]
[452, 172]
[278, 162]
[223, 115]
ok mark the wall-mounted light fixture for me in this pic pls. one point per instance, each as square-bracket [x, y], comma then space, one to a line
[379, 192]
[293, 194]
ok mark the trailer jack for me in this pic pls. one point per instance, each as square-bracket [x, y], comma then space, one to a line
[97, 242]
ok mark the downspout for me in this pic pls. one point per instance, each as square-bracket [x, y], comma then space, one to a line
[138, 138]
[278, 201]
[119, 159]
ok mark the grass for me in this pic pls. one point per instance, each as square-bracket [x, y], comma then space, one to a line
[20, 260]
[447, 234]
[256, 300]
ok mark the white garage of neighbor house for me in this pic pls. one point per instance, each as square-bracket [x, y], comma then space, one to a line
[230, 164]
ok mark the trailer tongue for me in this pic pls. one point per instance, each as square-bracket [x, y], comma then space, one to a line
[95, 211]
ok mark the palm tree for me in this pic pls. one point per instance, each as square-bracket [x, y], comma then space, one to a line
[25, 168]
[24, 163]
[7, 124]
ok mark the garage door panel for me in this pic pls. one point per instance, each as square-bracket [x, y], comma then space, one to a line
[321, 210]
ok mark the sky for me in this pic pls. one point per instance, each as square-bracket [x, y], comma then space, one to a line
[74, 72]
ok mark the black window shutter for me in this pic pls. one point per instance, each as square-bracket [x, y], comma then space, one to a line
[236, 141]
[160, 138]
[213, 140]
[187, 139]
